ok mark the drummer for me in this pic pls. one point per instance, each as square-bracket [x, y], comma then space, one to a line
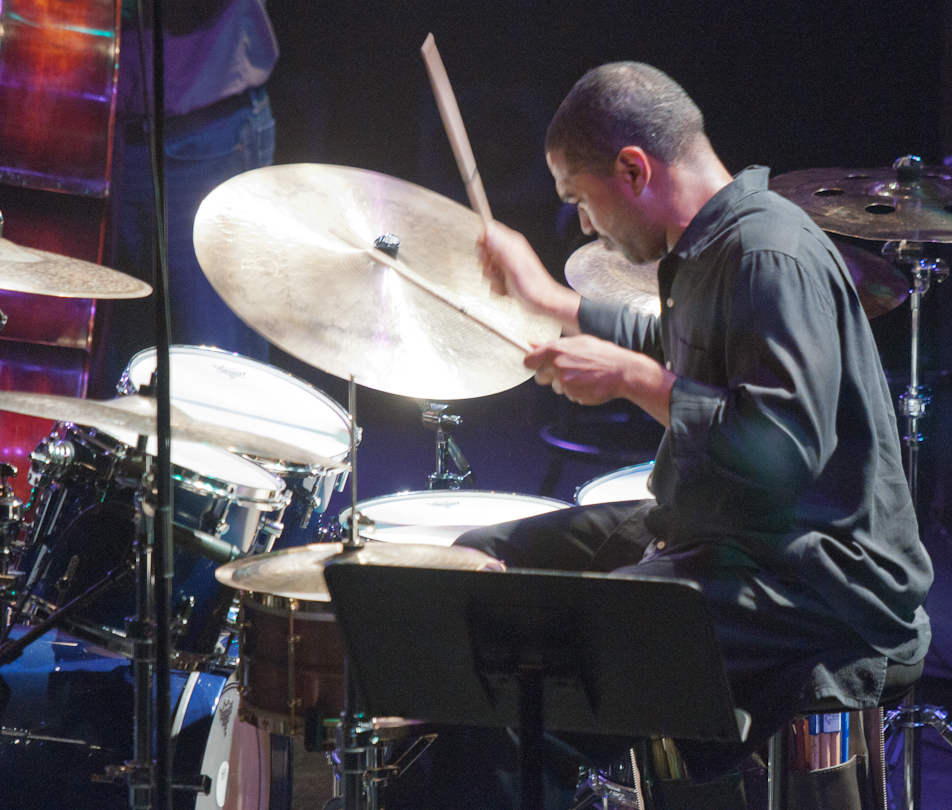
[779, 484]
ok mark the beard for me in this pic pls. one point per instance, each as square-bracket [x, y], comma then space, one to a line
[636, 251]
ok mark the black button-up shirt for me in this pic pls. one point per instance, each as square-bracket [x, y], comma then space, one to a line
[783, 447]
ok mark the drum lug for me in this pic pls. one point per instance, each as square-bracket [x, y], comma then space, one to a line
[63, 582]
[182, 616]
[272, 527]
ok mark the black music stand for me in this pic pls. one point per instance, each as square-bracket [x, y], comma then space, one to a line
[586, 654]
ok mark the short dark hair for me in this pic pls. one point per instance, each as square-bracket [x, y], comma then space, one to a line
[624, 104]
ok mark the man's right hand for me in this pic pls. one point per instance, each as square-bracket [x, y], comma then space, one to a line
[513, 268]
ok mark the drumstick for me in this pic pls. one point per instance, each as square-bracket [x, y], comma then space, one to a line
[416, 279]
[453, 123]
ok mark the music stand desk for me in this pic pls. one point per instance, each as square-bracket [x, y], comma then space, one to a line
[588, 654]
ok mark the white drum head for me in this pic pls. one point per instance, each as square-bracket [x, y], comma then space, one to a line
[236, 758]
[215, 386]
[626, 484]
[438, 517]
[221, 470]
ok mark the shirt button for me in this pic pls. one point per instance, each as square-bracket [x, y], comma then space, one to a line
[667, 365]
[670, 303]
[660, 545]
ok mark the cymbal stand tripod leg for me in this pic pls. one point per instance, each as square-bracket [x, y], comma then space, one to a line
[913, 404]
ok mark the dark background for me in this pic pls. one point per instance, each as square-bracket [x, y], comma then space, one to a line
[792, 85]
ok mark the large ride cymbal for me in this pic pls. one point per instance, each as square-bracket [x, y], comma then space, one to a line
[29, 270]
[880, 205]
[298, 573]
[278, 245]
[607, 276]
[136, 414]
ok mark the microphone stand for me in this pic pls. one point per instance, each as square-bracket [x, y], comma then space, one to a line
[150, 777]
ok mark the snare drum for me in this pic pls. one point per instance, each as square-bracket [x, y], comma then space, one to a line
[438, 517]
[626, 484]
[215, 386]
[83, 527]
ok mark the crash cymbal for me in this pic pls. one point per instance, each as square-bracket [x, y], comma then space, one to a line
[607, 276]
[24, 269]
[136, 415]
[298, 573]
[880, 205]
[881, 285]
[285, 247]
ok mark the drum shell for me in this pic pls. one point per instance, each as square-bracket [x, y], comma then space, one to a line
[291, 663]
[84, 526]
[627, 484]
[213, 385]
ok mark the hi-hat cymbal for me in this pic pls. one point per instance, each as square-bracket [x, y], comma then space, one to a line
[874, 204]
[278, 245]
[298, 573]
[881, 285]
[24, 269]
[136, 414]
[607, 276]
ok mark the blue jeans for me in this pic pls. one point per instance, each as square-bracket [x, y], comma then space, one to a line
[198, 159]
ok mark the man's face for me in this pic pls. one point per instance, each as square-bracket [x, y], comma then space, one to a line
[609, 207]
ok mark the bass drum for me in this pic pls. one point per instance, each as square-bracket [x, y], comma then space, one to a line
[626, 484]
[248, 767]
[438, 517]
[66, 714]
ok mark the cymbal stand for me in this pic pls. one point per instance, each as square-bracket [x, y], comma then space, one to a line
[356, 758]
[436, 418]
[913, 404]
[140, 772]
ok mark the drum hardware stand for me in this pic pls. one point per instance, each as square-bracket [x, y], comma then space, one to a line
[11, 650]
[11, 518]
[140, 772]
[914, 402]
[436, 418]
[356, 758]
[377, 775]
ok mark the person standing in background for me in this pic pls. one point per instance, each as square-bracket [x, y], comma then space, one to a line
[218, 56]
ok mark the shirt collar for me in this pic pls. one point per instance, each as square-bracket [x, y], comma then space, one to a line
[750, 180]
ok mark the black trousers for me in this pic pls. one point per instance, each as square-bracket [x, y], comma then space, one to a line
[781, 645]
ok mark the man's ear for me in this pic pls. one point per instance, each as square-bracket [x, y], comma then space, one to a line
[635, 165]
